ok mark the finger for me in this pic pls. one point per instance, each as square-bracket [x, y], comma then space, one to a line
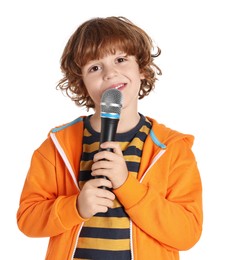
[105, 203]
[106, 156]
[99, 182]
[102, 164]
[106, 195]
[99, 205]
[101, 209]
[101, 172]
[103, 155]
[112, 145]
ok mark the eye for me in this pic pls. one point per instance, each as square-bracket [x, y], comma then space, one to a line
[94, 68]
[121, 59]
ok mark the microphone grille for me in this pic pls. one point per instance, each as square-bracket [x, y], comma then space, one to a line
[111, 103]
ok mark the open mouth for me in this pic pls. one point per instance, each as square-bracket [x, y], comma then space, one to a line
[120, 86]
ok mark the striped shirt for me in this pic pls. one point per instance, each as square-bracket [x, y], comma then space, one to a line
[107, 235]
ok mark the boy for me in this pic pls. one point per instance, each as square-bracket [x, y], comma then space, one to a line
[152, 208]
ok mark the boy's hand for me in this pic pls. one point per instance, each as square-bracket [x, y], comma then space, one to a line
[110, 164]
[92, 200]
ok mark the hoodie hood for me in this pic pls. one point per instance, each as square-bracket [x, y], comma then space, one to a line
[163, 136]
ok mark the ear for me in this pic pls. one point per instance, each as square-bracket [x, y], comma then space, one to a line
[142, 76]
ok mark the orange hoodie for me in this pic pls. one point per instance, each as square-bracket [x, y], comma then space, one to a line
[164, 204]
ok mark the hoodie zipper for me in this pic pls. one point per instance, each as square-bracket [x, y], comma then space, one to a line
[68, 165]
[65, 159]
[76, 241]
[156, 158]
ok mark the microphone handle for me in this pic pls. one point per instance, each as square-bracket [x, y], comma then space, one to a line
[108, 133]
[108, 130]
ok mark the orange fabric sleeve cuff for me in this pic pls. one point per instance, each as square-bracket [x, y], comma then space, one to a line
[68, 213]
[131, 192]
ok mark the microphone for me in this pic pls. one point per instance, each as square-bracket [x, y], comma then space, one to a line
[111, 104]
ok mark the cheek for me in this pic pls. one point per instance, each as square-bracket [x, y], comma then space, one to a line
[95, 96]
[94, 93]
[90, 86]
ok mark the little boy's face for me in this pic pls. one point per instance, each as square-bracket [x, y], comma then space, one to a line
[118, 71]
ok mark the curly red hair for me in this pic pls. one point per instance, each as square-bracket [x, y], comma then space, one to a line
[100, 36]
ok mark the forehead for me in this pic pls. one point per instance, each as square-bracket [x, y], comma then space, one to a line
[110, 54]
[96, 51]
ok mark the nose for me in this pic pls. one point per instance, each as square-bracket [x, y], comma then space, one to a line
[109, 72]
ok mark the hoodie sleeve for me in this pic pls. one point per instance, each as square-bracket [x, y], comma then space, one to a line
[44, 210]
[167, 205]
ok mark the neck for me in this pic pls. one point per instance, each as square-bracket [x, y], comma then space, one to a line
[127, 122]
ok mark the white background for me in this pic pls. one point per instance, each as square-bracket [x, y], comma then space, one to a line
[189, 97]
